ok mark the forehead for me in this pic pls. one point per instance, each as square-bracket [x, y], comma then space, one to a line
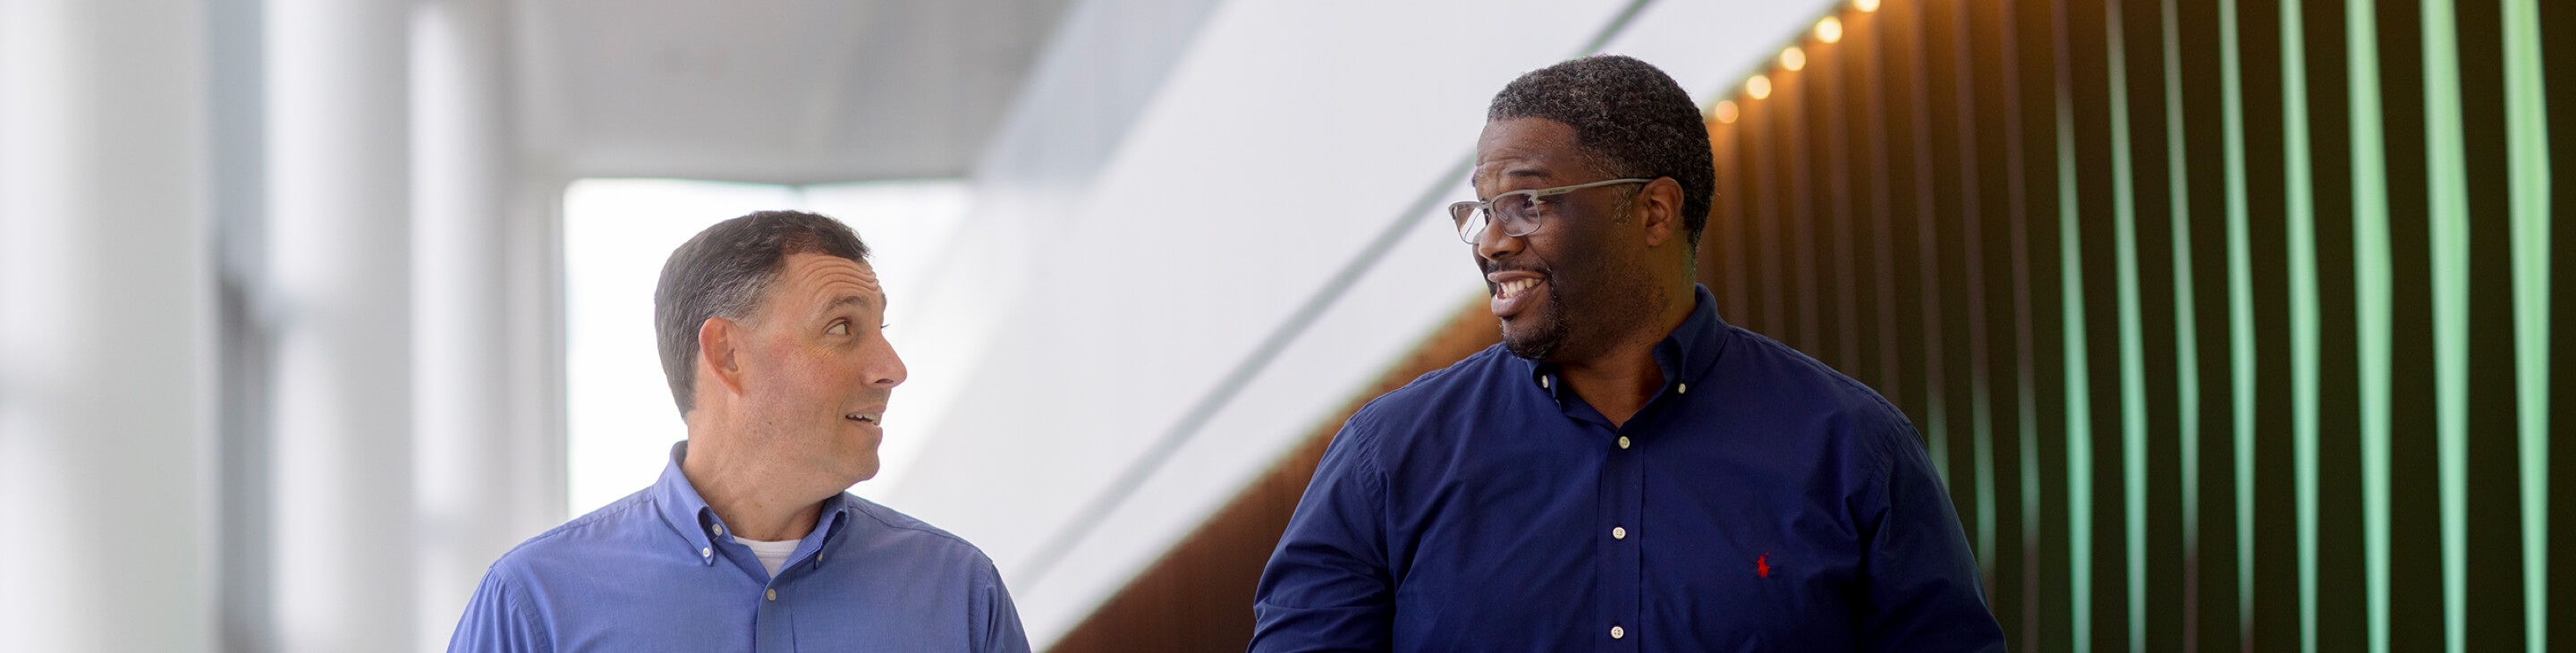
[809, 278]
[1532, 148]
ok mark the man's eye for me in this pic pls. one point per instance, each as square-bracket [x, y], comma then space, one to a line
[839, 329]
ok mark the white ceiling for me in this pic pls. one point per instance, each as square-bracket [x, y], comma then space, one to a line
[781, 91]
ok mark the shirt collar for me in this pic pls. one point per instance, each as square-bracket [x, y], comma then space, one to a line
[689, 516]
[1686, 354]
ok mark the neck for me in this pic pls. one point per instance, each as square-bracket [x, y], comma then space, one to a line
[1622, 377]
[747, 496]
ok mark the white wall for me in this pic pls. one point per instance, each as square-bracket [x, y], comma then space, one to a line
[106, 328]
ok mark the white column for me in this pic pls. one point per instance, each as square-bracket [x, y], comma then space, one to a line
[340, 269]
[106, 327]
[466, 468]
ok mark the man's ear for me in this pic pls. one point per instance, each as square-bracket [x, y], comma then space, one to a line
[717, 340]
[1659, 207]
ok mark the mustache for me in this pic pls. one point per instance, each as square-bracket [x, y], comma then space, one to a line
[1488, 266]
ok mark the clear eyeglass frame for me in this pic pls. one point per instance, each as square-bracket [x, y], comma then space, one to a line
[1519, 210]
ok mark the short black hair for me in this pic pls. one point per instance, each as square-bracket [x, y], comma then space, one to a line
[1629, 117]
[723, 271]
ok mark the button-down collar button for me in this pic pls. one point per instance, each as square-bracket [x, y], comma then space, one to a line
[1618, 533]
[706, 552]
[773, 594]
[1681, 389]
[1623, 442]
[1542, 382]
[716, 529]
[1617, 632]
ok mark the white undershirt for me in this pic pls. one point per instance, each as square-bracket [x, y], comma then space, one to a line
[772, 554]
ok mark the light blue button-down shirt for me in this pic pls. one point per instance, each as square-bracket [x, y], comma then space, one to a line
[658, 571]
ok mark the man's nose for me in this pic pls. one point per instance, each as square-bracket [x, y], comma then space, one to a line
[1493, 243]
[885, 369]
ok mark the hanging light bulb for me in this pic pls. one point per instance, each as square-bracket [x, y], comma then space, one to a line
[1793, 58]
[1829, 30]
[1726, 112]
[1759, 87]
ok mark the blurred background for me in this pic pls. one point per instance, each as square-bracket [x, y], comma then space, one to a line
[2229, 323]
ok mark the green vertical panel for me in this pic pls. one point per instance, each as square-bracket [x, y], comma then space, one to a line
[2036, 295]
[2495, 576]
[2240, 313]
[1927, 252]
[2021, 543]
[2526, 121]
[2371, 297]
[2210, 566]
[2301, 218]
[2186, 351]
[2133, 382]
[2079, 411]
[2448, 176]
[1975, 188]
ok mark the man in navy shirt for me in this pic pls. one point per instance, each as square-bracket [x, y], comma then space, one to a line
[770, 334]
[1626, 471]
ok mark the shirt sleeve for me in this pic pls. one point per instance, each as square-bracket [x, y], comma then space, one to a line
[1327, 587]
[998, 625]
[496, 621]
[1923, 590]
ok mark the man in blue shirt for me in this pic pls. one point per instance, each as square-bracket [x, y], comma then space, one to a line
[1626, 471]
[770, 334]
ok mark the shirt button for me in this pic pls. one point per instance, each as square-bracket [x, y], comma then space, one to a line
[773, 594]
[1617, 632]
[1618, 533]
[1683, 389]
[706, 552]
[717, 529]
[1623, 442]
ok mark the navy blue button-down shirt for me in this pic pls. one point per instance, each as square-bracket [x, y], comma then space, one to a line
[1759, 501]
[658, 571]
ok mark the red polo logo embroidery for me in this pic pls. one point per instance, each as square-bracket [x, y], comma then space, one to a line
[1762, 565]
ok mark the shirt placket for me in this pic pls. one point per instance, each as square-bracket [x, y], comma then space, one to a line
[1623, 485]
[776, 624]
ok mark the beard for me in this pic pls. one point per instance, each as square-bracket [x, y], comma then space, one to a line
[1545, 331]
[1612, 299]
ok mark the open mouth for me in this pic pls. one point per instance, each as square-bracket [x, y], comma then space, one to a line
[1513, 290]
[865, 418]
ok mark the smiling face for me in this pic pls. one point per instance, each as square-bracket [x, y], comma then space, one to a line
[817, 370]
[1570, 290]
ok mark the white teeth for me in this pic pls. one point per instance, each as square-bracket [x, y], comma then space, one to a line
[1514, 287]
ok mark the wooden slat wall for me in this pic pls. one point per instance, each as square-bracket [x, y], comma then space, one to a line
[2215, 314]
[2231, 324]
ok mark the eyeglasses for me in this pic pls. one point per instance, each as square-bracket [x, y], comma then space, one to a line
[1517, 210]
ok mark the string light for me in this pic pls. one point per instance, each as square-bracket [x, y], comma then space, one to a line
[1726, 111]
[1866, 5]
[1829, 30]
[1793, 58]
[1759, 87]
